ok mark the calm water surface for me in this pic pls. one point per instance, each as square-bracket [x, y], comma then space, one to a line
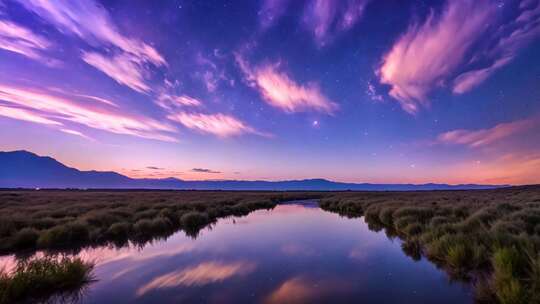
[295, 253]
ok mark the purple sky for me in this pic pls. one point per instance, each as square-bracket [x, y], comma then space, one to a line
[351, 90]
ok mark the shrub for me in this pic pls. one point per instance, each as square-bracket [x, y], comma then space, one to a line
[119, 231]
[194, 220]
[412, 229]
[507, 265]
[64, 235]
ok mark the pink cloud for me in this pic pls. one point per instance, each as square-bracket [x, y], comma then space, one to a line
[439, 51]
[120, 68]
[58, 110]
[76, 133]
[99, 99]
[220, 125]
[483, 137]
[127, 60]
[202, 274]
[91, 22]
[282, 92]
[18, 39]
[324, 18]
[21, 114]
[426, 54]
[172, 102]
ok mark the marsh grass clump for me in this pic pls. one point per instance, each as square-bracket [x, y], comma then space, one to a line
[193, 220]
[38, 279]
[25, 238]
[508, 270]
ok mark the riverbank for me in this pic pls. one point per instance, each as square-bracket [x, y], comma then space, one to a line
[491, 237]
[59, 220]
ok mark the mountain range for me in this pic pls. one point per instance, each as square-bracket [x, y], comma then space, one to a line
[23, 169]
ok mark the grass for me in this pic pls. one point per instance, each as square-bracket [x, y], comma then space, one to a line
[39, 279]
[58, 220]
[489, 237]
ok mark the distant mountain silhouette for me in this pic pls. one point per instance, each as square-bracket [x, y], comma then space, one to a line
[23, 169]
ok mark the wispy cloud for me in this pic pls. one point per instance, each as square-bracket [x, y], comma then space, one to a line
[282, 92]
[76, 133]
[202, 274]
[271, 11]
[303, 289]
[21, 114]
[202, 170]
[440, 51]
[325, 18]
[18, 39]
[174, 102]
[483, 137]
[121, 68]
[91, 22]
[42, 107]
[129, 58]
[154, 168]
[219, 124]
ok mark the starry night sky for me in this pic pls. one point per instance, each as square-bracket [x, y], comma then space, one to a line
[348, 90]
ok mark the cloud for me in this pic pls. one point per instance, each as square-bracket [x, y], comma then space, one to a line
[201, 170]
[210, 73]
[45, 108]
[326, 18]
[323, 18]
[21, 114]
[220, 125]
[461, 48]
[302, 289]
[202, 274]
[483, 137]
[174, 102]
[121, 68]
[98, 99]
[126, 62]
[18, 39]
[91, 22]
[271, 11]
[154, 168]
[76, 133]
[282, 92]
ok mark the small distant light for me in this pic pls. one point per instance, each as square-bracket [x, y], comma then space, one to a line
[37, 189]
[413, 166]
[315, 123]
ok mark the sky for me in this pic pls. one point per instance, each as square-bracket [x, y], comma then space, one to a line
[381, 91]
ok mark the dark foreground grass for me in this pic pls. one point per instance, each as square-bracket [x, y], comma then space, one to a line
[41, 279]
[490, 237]
[58, 220]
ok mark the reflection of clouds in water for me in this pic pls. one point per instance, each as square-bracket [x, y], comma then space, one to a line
[359, 254]
[297, 249]
[365, 251]
[104, 255]
[301, 289]
[202, 274]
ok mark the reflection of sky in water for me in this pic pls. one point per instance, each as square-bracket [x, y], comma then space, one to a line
[291, 254]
